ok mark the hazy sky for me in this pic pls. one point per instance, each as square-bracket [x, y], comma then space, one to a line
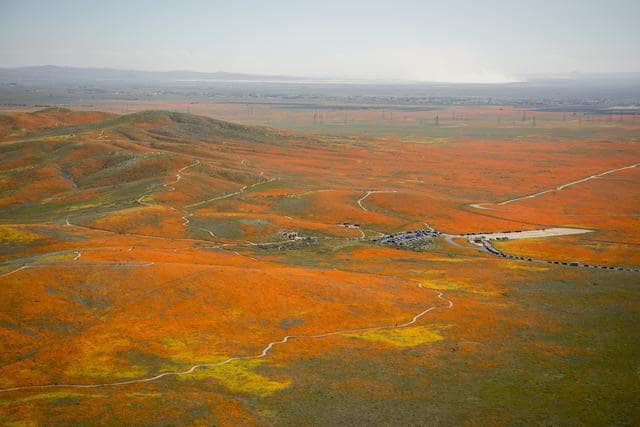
[444, 40]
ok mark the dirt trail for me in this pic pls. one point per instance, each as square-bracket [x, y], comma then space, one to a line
[16, 270]
[558, 188]
[235, 193]
[370, 192]
[265, 351]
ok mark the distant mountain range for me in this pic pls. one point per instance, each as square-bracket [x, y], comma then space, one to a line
[52, 73]
[62, 74]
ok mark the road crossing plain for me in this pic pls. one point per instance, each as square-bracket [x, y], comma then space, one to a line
[526, 234]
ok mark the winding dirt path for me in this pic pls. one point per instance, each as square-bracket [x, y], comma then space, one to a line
[370, 192]
[449, 239]
[558, 188]
[140, 199]
[16, 270]
[265, 351]
[235, 193]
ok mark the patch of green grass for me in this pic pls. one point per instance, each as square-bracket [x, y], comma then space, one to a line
[117, 198]
[225, 227]
[291, 205]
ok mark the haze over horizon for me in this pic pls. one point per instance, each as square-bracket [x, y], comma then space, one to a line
[412, 40]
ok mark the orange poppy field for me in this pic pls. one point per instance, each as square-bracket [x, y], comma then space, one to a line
[220, 268]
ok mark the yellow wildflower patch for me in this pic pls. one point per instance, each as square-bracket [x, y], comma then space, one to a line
[14, 235]
[98, 359]
[442, 285]
[138, 395]
[240, 377]
[402, 337]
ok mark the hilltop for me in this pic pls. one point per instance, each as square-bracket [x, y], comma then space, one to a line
[160, 124]
[72, 152]
[182, 126]
[20, 124]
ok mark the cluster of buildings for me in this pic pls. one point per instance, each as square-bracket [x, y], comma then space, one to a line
[291, 235]
[348, 225]
[407, 238]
